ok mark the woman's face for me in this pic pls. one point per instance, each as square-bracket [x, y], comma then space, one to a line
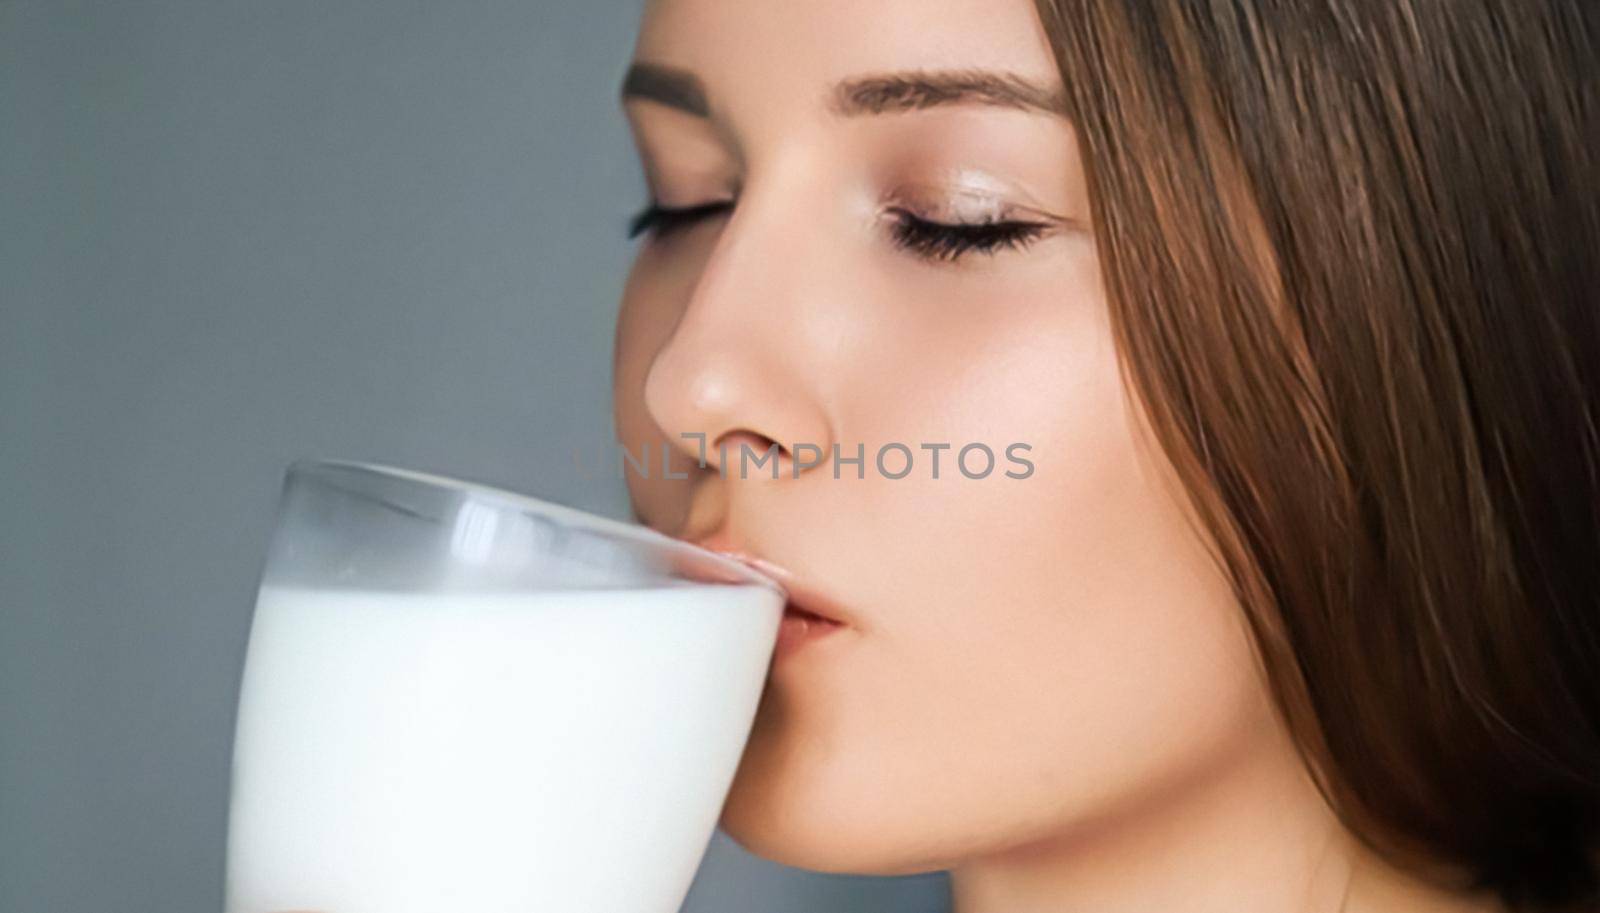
[1022, 658]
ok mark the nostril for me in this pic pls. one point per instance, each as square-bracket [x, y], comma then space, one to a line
[746, 454]
[734, 442]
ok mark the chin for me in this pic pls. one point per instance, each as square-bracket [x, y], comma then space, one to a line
[845, 850]
[809, 813]
[773, 814]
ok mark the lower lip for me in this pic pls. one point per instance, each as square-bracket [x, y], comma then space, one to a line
[798, 629]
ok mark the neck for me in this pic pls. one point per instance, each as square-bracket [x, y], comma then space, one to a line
[1254, 836]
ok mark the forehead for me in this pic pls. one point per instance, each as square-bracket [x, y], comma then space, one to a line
[771, 47]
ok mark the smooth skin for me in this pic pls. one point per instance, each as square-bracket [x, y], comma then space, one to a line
[1044, 684]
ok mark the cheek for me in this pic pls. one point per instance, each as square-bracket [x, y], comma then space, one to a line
[1078, 650]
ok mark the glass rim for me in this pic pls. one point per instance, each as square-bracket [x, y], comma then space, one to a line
[321, 468]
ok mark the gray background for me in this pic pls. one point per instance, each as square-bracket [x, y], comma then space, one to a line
[233, 234]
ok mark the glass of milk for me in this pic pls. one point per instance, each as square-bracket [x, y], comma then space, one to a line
[462, 700]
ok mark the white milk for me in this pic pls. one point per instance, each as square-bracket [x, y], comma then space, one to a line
[560, 752]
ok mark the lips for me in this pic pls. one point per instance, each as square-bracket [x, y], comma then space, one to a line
[794, 610]
[808, 616]
[806, 604]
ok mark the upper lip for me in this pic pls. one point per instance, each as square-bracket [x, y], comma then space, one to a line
[802, 595]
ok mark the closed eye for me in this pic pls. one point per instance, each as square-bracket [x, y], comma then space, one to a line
[662, 220]
[947, 242]
[931, 240]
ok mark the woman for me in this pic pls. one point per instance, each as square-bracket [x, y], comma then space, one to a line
[1286, 312]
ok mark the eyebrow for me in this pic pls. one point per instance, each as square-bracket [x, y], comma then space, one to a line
[670, 86]
[886, 93]
[918, 89]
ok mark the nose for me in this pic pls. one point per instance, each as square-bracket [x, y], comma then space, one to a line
[739, 384]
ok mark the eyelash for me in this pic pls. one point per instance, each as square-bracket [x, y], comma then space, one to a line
[661, 220]
[948, 242]
[930, 240]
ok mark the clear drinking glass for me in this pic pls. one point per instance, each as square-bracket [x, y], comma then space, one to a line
[463, 700]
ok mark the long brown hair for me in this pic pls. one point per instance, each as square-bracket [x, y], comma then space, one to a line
[1353, 253]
